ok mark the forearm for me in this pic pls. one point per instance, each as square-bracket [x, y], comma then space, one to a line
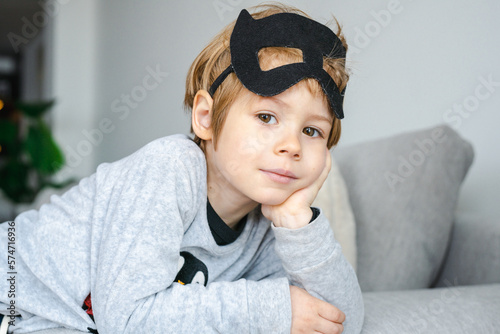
[222, 307]
[313, 259]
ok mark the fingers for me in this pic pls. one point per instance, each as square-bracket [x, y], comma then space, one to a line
[331, 319]
[328, 160]
[324, 173]
[328, 327]
[310, 314]
[316, 186]
[331, 313]
[328, 166]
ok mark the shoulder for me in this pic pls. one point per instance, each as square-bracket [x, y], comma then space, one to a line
[173, 147]
[179, 154]
[171, 169]
[177, 163]
[163, 152]
[174, 157]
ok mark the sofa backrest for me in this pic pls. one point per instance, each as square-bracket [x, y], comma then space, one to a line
[403, 191]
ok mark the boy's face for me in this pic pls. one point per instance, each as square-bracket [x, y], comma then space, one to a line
[270, 147]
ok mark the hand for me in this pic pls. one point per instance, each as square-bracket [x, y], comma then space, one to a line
[295, 211]
[312, 315]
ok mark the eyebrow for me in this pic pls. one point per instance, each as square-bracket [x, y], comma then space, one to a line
[322, 118]
[318, 117]
[277, 100]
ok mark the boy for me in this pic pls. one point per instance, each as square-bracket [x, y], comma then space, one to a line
[215, 235]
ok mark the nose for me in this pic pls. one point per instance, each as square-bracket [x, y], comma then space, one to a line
[289, 145]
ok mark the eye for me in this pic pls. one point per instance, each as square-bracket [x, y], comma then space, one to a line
[266, 118]
[311, 132]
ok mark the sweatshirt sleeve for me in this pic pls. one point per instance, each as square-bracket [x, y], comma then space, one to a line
[242, 306]
[138, 239]
[313, 260]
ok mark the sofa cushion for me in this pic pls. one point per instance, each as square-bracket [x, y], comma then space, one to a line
[403, 191]
[333, 199]
[457, 309]
[474, 252]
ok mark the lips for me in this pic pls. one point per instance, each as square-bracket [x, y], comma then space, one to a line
[279, 175]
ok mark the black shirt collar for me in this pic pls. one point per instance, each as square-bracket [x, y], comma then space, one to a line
[222, 233]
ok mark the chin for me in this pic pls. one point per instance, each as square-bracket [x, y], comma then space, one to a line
[272, 198]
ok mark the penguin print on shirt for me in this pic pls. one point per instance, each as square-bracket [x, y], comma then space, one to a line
[191, 270]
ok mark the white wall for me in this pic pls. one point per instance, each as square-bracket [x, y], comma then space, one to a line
[75, 80]
[170, 36]
[410, 69]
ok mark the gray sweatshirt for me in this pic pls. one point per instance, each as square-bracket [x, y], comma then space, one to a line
[119, 233]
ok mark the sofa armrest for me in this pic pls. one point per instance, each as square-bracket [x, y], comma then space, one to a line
[474, 253]
[461, 309]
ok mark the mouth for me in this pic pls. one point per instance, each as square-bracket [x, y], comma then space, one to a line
[280, 175]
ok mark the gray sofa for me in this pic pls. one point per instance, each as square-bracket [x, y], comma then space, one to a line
[423, 265]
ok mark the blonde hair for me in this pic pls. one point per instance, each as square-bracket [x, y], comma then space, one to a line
[216, 57]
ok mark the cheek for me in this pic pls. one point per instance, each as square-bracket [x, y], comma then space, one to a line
[246, 148]
[316, 165]
[246, 143]
[234, 156]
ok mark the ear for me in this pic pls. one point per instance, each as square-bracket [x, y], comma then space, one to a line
[201, 116]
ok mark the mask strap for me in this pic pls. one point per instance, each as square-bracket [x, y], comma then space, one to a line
[220, 79]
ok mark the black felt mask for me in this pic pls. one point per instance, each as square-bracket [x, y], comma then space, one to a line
[283, 30]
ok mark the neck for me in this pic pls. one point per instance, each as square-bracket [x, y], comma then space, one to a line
[229, 208]
[228, 203]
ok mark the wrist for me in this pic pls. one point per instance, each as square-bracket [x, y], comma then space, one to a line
[293, 220]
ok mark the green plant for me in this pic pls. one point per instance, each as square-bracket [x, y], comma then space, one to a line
[29, 155]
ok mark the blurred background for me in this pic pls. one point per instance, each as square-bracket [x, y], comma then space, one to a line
[116, 70]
